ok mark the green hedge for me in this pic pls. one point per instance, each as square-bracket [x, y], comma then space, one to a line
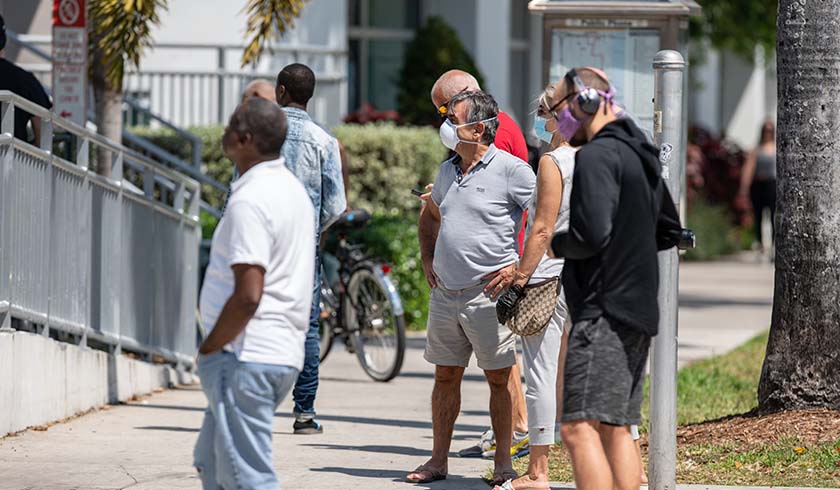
[385, 161]
[716, 235]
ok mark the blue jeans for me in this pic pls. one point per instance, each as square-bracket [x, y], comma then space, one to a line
[233, 450]
[307, 383]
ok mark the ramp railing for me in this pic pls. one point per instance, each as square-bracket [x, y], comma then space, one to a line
[109, 262]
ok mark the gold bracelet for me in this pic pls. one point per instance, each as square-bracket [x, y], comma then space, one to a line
[520, 275]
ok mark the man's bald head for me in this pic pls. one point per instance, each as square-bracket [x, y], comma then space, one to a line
[451, 84]
[260, 88]
[257, 126]
[591, 77]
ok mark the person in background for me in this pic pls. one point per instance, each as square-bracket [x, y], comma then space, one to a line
[508, 138]
[255, 303]
[23, 83]
[467, 235]
[758, 182]
[313, 156]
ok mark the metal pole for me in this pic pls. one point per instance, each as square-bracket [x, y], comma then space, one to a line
[669, 136]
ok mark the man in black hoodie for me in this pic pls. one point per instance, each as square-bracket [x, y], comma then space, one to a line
[621, 215]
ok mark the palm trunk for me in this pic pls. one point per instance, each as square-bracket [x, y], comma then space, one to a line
[108, 107]
[802, 366]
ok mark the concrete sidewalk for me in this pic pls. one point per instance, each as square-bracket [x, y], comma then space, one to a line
[374, 432]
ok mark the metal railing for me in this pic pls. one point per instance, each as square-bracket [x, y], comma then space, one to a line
[207, 94]
[133, 109]
[103, 260]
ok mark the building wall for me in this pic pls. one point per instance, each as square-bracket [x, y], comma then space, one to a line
[732, 96]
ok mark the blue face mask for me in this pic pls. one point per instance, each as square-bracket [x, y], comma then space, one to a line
[540, 131]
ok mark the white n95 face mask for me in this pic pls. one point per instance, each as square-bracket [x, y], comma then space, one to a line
[449, 133]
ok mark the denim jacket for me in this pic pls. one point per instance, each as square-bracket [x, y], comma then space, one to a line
[312, 155]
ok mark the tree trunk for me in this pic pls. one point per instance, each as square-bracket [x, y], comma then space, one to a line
[802, 366]
[108, 106]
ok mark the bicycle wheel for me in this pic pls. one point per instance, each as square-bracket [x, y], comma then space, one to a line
[327, 320]
[378, 326]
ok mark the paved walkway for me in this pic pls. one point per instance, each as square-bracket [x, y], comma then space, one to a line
[374, 432]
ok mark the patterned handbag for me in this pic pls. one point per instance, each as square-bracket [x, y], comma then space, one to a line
[533, 312]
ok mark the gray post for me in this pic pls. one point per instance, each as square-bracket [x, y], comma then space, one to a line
[220, 77]
[669, 136]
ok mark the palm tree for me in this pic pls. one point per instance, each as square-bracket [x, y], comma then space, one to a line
[802, 366]
[120, 30]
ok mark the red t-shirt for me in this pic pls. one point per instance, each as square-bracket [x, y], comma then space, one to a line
[510, 139]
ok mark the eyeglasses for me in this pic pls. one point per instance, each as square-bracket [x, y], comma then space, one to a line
[541, 111]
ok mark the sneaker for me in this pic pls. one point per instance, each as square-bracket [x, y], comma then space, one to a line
[307, 426]
[485, 443]
[519, 447]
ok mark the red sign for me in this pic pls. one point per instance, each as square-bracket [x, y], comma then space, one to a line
[69, 53]
[69, 13]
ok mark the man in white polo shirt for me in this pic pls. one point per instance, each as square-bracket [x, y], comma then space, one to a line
[255, 303]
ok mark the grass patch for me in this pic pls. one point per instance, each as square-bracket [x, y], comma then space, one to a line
[740, 450]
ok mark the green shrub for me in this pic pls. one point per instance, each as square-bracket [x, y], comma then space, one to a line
[385, 162]
[435, 49]
[394, 239]
[716, 235]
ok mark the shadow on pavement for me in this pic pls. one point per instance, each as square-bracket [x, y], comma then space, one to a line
[403, 450]
[169, 428]
[696, 301]
[393, 475]
[414, 424]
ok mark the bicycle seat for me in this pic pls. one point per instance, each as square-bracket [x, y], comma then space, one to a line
[354, 219]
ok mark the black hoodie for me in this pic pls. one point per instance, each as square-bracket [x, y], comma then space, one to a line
[621, 215]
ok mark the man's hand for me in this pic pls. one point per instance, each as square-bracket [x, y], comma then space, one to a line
[431, 278]
[500, 280]
[507, 303]
[239, 308]
[424, 198]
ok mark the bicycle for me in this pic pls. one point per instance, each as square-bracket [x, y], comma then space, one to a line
[364, 309]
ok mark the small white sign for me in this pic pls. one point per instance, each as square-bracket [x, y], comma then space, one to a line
[70, 53]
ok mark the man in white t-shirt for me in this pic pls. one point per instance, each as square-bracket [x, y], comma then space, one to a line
[255, 302]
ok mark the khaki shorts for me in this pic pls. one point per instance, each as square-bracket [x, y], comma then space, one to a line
[462, 322]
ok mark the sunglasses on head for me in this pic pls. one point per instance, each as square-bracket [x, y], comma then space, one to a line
[443, 109]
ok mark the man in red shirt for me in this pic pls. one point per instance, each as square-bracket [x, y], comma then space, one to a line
[509, 138]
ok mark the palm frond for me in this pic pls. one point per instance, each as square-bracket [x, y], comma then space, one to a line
[119, 32]
[267, 20]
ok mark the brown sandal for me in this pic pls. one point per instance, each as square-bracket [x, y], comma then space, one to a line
[434, 474]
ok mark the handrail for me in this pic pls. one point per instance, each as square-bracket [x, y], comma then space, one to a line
[135, 104]
[11, 102]
[196, 143]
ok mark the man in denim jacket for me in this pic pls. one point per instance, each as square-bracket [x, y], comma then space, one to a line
[312, 155]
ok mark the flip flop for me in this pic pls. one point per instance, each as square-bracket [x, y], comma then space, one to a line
[508, 485]
[501, 477]
[434, 474]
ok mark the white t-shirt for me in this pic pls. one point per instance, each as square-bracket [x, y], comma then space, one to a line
[268, 222]
[564, 158]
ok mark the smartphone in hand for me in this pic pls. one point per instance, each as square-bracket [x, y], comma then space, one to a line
[417, 193]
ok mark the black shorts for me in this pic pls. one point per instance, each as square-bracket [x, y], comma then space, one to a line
[604, 372]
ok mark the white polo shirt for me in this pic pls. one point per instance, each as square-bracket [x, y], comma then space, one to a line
[269, 222]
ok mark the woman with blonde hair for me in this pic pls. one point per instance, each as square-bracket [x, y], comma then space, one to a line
[548, 214]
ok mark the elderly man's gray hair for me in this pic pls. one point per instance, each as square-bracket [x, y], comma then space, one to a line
[264, 120]
[481, 106]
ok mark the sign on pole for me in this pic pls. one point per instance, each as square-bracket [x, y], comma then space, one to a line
[69, 53]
